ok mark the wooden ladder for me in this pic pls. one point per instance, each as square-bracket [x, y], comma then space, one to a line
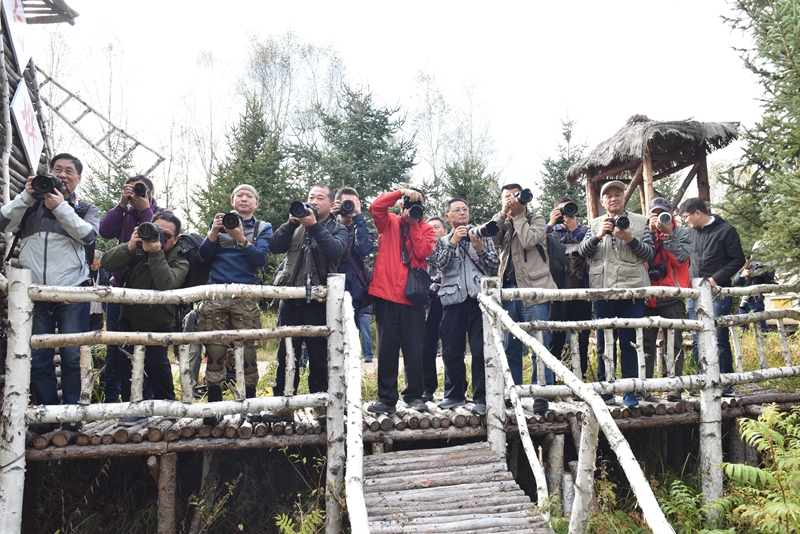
[464, 489]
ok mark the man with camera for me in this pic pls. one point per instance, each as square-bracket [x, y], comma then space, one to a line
[360, 241]
[464, 256]
[522, 242]
[405, 242]
[617, 245]
[669, 267]
[153, 261]
[137, 204]
[54, 228]
[753, 274]
[237, 246]
[433, 318]
[570, 233]
[716, 254]
[314, 243]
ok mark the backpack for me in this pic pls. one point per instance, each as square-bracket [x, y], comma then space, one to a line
[81, 209]
[557, 255]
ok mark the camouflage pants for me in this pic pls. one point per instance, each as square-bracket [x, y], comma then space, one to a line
[231, 314]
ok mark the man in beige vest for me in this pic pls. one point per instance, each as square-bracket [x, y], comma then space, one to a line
[617, 245]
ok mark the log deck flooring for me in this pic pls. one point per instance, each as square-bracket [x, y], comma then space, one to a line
[466, 489]
[158, 435]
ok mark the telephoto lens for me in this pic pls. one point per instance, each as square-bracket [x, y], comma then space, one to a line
[524, 196]
[45, 183]
[489, 229]
[231, 220]
[149, 231]
[347, 207]
[569, 209]
[140, 190]
[298, 209]
[665, 218]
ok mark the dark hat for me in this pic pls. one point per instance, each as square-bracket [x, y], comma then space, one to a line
[660, 203]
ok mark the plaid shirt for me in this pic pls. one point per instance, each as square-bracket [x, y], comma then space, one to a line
[445, 251]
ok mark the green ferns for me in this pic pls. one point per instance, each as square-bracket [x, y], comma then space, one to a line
[767, 498]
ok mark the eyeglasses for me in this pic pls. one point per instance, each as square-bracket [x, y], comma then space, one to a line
[69, 171]
[687, 215]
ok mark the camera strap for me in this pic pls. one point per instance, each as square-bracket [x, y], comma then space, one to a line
[18, 233]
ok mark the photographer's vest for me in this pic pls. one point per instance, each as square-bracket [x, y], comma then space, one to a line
[462, 279]
[614, 264]
[296, 261]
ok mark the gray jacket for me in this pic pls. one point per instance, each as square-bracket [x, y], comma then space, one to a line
[52, 242]
[462, 268]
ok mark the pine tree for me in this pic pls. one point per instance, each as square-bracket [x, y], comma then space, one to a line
[554, 175]
[467, 178]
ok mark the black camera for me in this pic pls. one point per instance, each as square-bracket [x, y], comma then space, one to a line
[570, 210]
[152, 232]
[665, 218]
[657, 271]
[140, 190]
[489, 229]
[621, 222]
[524, 196]
[347, 207]
[299, 209]
[415, 209]
[231, 220]
[45, 183]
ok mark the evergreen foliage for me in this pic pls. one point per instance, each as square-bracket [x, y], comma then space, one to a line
[764, 191]
[361, 146]
[469, 179]
[554, 175]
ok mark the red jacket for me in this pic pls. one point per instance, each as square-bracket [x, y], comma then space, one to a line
[677, 272]
[390, 274]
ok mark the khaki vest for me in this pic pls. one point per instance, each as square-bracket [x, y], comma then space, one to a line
[614, 264]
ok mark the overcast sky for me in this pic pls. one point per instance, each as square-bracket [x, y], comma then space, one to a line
[531, 63]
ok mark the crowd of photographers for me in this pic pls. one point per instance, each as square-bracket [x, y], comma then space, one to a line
[423, 287]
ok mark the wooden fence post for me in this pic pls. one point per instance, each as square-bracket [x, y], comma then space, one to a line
[584, 476]
[495, 384]
[166, 492]
[710, 405]
[334, 478]
[15, 400]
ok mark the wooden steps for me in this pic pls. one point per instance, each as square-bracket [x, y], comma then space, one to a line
[464, 489]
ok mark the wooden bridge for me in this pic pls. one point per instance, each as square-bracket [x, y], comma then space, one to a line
[576, 411]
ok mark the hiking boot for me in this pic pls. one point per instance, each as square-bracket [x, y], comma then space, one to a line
[427, 397]
[449, 404]
[72, 426]
[629, 400]
[479, 409]
[727, 391]
[210, 421]
[540, 406]
[674, 396]
[417, 404]
[379, 407]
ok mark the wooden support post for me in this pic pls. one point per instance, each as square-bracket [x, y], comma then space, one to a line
[640, 353]
[584, 478]
[703, 187]
[555, 465]
[737, 349]
[495, 384]
[710, 394]
[575, 352]
[334, 477]
[669, 356]
[636, 182]
[787, 353]
[647, 177]
[238, 358]
[608, 355]
[592, 199]
[166, 493]
[762, 354]
[676, 200]
[86, 375]
[137, 373]
[643, 197]
[541, 377]
[15, 400]
[288, 389]
[187, 394]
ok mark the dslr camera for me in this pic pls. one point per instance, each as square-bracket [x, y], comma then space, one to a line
[45, 183]
[231, 220]
[621, 222]
[524, 196]
[665, 218]
[657, 271]
[150, 232]
[489, 229]
[299, 209]
[570, 210]
[415, 209]
[140, 190]
[347, 207]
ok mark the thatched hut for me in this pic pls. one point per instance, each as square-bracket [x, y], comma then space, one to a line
[645, 151]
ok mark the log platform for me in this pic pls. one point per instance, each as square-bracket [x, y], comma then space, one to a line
[464, 489]
[159, 435]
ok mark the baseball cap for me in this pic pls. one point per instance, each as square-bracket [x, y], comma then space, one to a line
[246, 188]
[612, 183]
[660, 203]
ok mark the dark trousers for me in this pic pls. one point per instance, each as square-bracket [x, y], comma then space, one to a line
[670, 309]
[629, 309]
[112, 389]
[156, 367]
[576, 310]
[430, 379]
[399, 327]
[295, 313]
[460, 321]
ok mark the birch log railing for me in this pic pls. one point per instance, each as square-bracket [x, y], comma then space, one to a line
[500, 385]
[16, 413]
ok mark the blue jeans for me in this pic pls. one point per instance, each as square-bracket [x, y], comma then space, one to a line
[515, 348]
[69, 318]
[364, 322]
[113, 384]
[722, 306]
[629, 359]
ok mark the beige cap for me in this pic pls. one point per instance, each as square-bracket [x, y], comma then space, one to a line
[609, 185]
[245, 187]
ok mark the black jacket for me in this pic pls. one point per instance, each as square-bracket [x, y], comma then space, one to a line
[716, 252]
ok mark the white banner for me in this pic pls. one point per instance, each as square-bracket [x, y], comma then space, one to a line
[27, 125]
[18, 32]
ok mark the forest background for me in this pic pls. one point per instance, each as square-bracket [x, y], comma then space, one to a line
[474, 100]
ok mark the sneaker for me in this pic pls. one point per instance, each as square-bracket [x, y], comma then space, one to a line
[646, 396]
[540, 406]
[254, 418]
[210, 421]
[449, 404]
[379, 407]
[479, 409]
[608, 399]
[418, 405]
[727, 391]
[674, 397]
[629, 400]
[41, 428]
[131, 421]
[367, 360]
[72, 426]
[427, 397]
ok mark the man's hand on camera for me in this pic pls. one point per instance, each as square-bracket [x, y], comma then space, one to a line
[216, 226]
[554, 215]
[237, 233]
[409, 219]
[151, 246]
[458, 234]
[514, 207]
[569, 223]
[134, 240]
[139, 203]
[413, 196]
[477, 242]
[29, 186]
[623, 235]
[308, 220]
[127, 193]
[606, 228]
[53, 199]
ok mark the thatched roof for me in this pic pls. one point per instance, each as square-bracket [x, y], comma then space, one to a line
[672, 146]
[48, 12]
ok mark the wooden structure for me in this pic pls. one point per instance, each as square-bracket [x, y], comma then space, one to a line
[645, 151]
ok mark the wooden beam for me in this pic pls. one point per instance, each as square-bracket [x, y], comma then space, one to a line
[673, 170]
[643, 199]
[637, 179]
[703, 187]
[166, 493]
[616, 170]
[592, 200]
[684, 186]
[647, 190]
